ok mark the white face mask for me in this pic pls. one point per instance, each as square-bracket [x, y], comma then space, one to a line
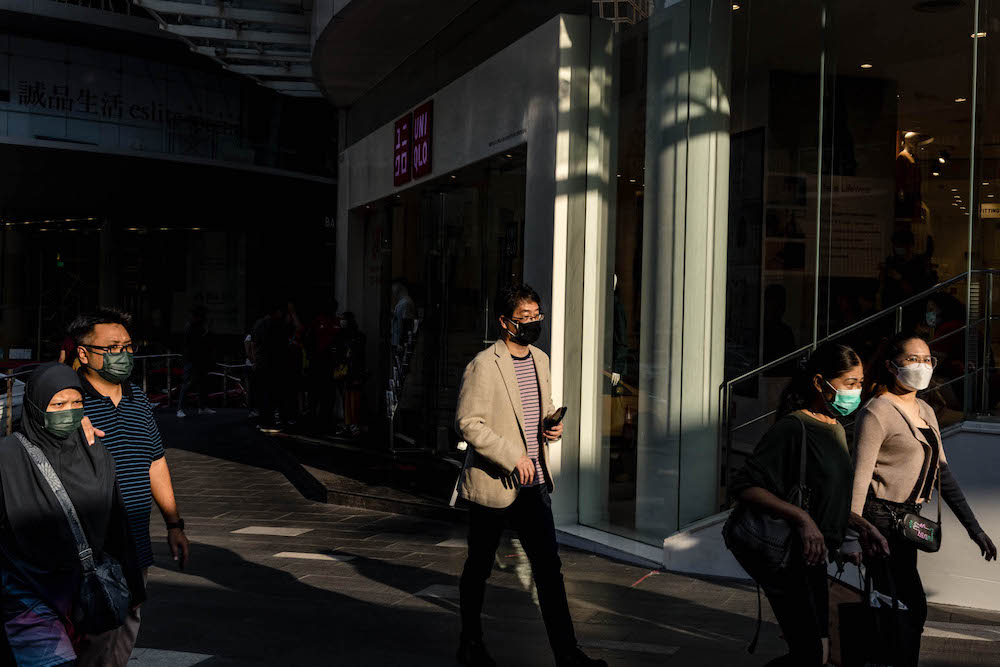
[915, 376]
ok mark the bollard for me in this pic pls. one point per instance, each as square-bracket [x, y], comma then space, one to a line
[169, 379]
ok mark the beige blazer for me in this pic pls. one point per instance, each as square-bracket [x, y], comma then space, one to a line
[890, 452]
[491, 419]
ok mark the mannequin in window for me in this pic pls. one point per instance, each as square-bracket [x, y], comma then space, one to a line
[908, 178]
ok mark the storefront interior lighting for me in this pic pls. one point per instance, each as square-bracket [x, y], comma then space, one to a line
[631, 180]
[959, 99]
[866, 66]
[977, 35]
[736, 7]
[936, 173]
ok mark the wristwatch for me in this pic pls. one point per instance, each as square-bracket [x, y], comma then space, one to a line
[178, 524]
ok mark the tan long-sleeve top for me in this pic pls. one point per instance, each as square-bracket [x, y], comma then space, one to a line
[891, 455]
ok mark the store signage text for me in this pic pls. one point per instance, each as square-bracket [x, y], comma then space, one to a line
[413, 145]
[989, 211]
[401, 151]
[45, 96]
[422, 128]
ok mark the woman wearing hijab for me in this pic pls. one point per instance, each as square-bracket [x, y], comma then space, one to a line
[899, 459]
[40, 571]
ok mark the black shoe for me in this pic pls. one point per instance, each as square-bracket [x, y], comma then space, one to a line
[577, 658]
[474, 654]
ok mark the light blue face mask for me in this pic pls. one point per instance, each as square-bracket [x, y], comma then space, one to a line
[846, 401]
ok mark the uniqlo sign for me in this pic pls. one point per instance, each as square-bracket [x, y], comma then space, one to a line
[422, 119]
[402, 170]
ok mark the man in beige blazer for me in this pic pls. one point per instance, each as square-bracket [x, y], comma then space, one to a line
[505, 397]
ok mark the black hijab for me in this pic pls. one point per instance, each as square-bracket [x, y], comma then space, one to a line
[37, 525]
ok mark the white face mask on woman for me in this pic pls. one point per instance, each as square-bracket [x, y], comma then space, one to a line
[916, 377]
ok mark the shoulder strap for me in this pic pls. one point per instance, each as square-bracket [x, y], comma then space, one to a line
[43, 465]
[803, 455]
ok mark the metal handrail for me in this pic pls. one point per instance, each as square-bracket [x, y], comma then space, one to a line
[727, 431]
[791, 356]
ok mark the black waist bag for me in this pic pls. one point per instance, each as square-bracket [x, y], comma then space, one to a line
[102, 603]
[906, 521]
[769, 539]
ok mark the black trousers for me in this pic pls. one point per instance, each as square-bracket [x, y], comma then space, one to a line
[901, 566]
[531, 517]
[195, 377]
[800, 598]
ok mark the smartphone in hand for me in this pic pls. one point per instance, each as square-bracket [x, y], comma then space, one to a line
[554, 419]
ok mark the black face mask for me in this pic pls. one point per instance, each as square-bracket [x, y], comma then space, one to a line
[527, 332]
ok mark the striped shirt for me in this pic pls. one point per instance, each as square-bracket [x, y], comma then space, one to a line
[531, 402]
[133, 438]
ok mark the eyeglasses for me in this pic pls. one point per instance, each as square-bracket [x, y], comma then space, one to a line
[131, 348]
[914, 359]
[526, 320]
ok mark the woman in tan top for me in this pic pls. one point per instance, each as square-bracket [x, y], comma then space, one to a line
[898, 455]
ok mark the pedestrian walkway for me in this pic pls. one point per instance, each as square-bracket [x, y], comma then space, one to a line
[276, 579]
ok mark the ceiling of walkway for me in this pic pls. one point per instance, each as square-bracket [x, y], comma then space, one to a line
[266, 40]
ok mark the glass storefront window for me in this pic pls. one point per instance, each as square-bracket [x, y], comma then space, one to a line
[841, 141]
[437, 254]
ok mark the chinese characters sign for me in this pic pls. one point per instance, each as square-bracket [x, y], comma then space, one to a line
[412, 146]
[422, 118]
[401, 153]
[118, 102]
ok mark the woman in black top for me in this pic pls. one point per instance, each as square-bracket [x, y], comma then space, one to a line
[827, 388]
[40, 568]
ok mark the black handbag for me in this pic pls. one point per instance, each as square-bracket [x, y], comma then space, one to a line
[919, 531]
[102, 602]
[769, 539]
[761, 541]
[875, 636]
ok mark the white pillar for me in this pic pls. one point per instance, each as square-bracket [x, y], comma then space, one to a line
[684, 265]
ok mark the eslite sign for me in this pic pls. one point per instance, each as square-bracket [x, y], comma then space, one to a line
[422, 118]
[412, 149]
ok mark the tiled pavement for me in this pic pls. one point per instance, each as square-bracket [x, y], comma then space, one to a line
[279, 580]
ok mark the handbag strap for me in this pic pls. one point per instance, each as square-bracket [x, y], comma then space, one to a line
[43, 465]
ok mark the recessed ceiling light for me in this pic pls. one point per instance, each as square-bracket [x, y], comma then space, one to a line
[954, 189]
[935, 173]
[986, 182]
[736, 7]
[960, 99]
[866, 66]
[961, 208]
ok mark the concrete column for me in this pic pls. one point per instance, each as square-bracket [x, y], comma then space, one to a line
[568, 241]
[684, 265]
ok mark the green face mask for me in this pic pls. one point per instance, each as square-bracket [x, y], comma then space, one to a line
[117, 367]
[63, 423]
[845, 401]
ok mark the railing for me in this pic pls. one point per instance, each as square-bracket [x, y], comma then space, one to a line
[144, 364]
[8, 411]
[972, 326]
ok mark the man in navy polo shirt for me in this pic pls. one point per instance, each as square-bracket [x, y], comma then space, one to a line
[121, 410]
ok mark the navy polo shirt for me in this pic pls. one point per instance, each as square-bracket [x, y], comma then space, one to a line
[133, 438]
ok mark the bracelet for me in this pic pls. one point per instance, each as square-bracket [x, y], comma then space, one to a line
[178, 524]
